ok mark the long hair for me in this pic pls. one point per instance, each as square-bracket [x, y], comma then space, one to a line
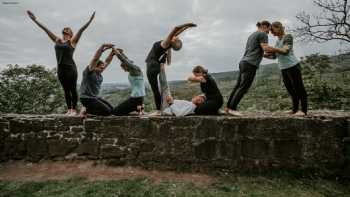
[278, 25]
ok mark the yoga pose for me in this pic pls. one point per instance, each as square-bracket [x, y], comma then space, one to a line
[256, 45]
[161, 54]
[290, 67]
[91, 84]
[170, 106]
[66, 68]
[213, 98]
[182, 107]
[135, 102]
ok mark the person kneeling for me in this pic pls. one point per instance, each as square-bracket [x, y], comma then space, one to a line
[91, 84]
[135, 102]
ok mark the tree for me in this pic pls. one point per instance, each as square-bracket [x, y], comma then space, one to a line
[331, 24]
[30, 89]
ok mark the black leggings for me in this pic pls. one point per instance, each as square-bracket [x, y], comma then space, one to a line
[153, 70]
[97, 106]
[245, 79]
[128, 106]
[209, 107]
[68, 77]
[293, 81]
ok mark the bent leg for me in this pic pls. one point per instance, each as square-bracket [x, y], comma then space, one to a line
[127, 106]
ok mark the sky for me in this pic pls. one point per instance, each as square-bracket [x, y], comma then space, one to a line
[134, 25]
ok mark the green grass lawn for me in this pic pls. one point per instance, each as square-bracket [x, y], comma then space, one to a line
[238, 186]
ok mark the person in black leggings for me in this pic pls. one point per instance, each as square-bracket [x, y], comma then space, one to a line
[213, 98]
[290, 68]
[256, 45]
[66, 68]
[91, 84]
[159, 55]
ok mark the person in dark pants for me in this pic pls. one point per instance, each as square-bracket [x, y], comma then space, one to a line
[91, 85]
[213, 98]
[135, 102]
[66, 68]
[256, 45]
[290, 68]
[159, 55]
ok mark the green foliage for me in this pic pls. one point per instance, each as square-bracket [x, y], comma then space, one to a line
[30, 89]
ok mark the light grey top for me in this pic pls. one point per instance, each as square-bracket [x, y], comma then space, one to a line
[286, 60]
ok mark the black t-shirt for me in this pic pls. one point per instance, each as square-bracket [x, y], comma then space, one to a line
[64, 54]
[210, 89]
[157, 53]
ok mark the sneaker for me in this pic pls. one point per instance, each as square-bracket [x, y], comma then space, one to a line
[234, 113]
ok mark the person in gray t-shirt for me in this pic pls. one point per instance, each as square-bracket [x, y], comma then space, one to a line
[256, 45]
[91, 84]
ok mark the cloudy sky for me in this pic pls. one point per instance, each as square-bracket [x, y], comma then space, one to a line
[134, 25]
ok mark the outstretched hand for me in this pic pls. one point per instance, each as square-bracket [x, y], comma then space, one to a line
[31, 15]
[107, 46]
[92, 16]
[191, 25]
[117, 51]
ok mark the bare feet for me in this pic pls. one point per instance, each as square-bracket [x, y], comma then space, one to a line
[299, 113]
[233, 112]
[73, 112]
[155, 113]
[141, 110]
[68, 112]
[83, 113]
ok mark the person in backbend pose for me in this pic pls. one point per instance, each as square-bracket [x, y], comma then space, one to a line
[159, 55]
[170, 106]
[256, 45]
[91, 84]
[290, 67]
[66, 68]
[213, 98]
[135, 102]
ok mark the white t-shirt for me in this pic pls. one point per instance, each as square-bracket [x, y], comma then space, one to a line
[180, 108]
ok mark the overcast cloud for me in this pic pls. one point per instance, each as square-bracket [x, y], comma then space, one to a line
[134, 25]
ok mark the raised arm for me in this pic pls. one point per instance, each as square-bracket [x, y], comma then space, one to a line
[133, 69]
[77, 36]
[109, 58]
[175, 32]
[51, 35]
[98, 54]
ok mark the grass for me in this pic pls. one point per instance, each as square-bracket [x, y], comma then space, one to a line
[237, 186]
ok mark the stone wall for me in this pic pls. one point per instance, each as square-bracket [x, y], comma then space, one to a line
[318, 143]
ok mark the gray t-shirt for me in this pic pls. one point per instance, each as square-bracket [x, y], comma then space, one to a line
[91, 84]
[254, 53]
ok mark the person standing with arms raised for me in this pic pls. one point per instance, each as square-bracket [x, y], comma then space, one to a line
[161, 54]
[66, 67]
[256, 45]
